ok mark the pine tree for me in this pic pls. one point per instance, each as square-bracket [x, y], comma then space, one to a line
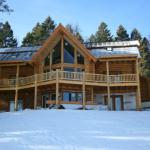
[39, 33]
[145, 58]
[79, 37]
[103, 34]
[75, 30]
[28, 40]
[6, 36]
[70, 28]
[4, 7]
[92, 38]
[135, 35]
[122, 34]
[47, 27]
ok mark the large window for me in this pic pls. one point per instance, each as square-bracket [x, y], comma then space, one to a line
[47, 61]
[56, 54]
[72, 96]
[80, 58]
[68, 53]
[70, 57]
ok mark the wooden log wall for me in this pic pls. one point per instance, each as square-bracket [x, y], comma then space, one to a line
[119, 67]
[10, 71]
[145, 88]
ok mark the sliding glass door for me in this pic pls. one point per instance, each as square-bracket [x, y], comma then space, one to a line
[72, 96]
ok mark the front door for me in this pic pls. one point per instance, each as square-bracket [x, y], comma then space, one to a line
[117, 103]
[20, 105]
[45, 98]
[12, 105]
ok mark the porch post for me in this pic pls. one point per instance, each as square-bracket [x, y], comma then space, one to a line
[92, 95]
[83, 92]
[138, 92]
[16, 89]
[16, 99]
[108, 87]
[35, 92]
[57, 89]
[0, 71]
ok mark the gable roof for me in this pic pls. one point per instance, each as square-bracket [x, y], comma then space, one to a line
[52, 41]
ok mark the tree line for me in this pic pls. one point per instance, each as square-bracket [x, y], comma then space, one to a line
[41, 31]
[103, 34]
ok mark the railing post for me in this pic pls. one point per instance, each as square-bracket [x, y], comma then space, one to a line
[92, 95]
[83, 93]
[138, 92]
[35, 91]
[16, 89]
[108, 86]
[57, 88]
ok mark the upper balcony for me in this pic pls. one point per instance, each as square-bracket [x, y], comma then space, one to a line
[70, 78]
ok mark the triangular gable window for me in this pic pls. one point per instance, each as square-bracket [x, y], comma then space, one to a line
[68, 53]
[56, 54]
[80, 58]
[71, 56]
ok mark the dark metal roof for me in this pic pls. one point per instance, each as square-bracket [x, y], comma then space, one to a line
[100, 50]
[18, 53]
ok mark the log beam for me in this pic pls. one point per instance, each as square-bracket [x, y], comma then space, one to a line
[92, 95]
[138, 91]
[57, 89]
[108, 86]
[16, 88]
[83, 93]
[35, 92]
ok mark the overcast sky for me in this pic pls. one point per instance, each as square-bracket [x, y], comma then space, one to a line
[86, 13]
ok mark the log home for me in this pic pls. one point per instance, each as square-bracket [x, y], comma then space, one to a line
[64, 71]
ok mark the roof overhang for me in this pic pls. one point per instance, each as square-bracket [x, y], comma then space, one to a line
[117, 44]
[118, 58]
[15, 62]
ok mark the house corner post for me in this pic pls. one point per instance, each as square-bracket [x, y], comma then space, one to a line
[83, 93]
[16, 88]
[35, 91]
[57, 88]
[138, 91]
[108, 86]
[92, 95]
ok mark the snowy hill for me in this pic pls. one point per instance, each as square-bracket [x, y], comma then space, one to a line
[74, 130]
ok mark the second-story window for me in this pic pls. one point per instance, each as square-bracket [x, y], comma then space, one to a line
[80, 58]
[68, 53]
[47, 61]
[56, 54]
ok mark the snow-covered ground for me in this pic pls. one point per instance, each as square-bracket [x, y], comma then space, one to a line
[75, 130]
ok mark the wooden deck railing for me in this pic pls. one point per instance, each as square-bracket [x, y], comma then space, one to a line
[26, 80]
[8, 83]
[122, 78]
[46, 76]
[89, 77]
[69, 76]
